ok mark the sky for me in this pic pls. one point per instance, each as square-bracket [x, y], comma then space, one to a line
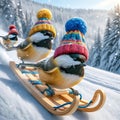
[18, 104]
[85, 4]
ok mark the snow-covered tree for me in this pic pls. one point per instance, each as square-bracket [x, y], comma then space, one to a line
[7, 12]
[21, 19]
[95, 54]
[114, 61]
[28, 25]
[11, 12]
[106, 47]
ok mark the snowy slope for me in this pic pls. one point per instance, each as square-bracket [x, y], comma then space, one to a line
[17, 104]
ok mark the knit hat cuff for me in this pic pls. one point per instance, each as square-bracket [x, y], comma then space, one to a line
[71, 49]
[41, 27]
[13, 31]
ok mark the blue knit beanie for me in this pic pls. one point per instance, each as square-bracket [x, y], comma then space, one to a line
[73, 41]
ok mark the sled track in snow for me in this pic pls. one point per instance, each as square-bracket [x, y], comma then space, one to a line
[104, 85]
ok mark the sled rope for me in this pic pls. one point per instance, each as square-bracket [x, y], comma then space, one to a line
[67, 103]
[29, 72]
[49, 91]
[59, 106]
[35, 82]
[85, 106]
[75, 92]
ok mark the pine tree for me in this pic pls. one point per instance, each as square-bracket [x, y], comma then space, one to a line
[114, 61]
[12, 13]
[95, 54]
[106, 47]
[28, 25]
[25, 20]
[21, 19]
[7, 8]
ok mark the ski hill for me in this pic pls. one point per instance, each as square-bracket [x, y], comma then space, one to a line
[17, 104]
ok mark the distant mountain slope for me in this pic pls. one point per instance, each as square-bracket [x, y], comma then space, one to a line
[93, 18]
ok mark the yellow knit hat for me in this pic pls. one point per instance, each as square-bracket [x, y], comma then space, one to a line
[44, 16]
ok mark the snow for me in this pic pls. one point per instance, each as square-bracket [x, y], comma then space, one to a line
[17, 104]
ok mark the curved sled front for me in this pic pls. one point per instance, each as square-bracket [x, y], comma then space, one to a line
[96, 103]
[61, 104]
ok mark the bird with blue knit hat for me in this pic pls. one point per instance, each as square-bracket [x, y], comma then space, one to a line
[38, 44]
[73, 41]
[65, 68]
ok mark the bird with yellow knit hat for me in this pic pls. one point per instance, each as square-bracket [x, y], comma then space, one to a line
[66, 67]
[39, 42]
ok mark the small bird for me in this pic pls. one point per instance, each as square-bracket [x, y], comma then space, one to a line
[38, 44]
[65, 68]
[11, 39]
[62, 72]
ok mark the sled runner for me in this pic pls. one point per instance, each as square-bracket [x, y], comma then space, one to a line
[56, 101]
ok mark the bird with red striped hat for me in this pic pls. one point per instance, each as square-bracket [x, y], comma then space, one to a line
[11, 39]
[66, 67]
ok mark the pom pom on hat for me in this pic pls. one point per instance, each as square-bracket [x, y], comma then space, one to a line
[44, 13]
[76, 24]
[12, 29]
[44, 16]
[73, 42]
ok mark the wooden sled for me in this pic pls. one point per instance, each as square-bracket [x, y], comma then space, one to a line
[49, 102]
[56, 101]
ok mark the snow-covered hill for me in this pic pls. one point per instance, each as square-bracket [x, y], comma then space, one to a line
[17, 104]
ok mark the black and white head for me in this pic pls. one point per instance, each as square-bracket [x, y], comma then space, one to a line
[71, 64]
[42, 39]
[13, 39]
